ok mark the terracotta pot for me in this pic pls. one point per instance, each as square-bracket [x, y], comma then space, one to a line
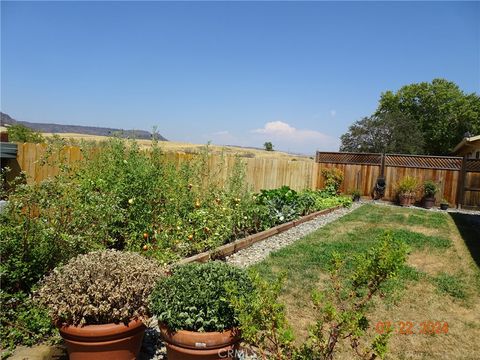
[429, 202]
[405, 200]
[191, 345]
[109, 341]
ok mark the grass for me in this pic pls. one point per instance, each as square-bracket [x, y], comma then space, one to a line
[440, 281]
[451, 285]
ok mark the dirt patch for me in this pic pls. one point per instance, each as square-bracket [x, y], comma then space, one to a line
[421, 302]
[427, 261]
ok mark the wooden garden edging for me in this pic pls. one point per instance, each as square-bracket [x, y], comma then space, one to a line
[237, 245]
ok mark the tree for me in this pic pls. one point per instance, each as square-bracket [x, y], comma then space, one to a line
[268, 146]
[384, 133]
[441, 109]
[21, 133]
[424, 118]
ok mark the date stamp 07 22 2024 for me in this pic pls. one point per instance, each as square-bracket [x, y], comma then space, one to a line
[412, 327]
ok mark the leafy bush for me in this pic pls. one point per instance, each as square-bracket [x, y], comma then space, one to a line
[333, 178]
[47, 224]
[99, 288]
[283, 204]
[355, 193]
[341, 307]
[22, 321]
[21, 133]
[262, 318]
[430, 188]
[194, 297]
[408, 186]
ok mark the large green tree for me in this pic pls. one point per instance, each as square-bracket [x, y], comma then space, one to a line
[384, 133]
[443, 111]
[424, 118]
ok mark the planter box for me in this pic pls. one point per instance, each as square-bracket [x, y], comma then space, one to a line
[237, 245]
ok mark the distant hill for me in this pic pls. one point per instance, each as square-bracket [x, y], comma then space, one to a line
[5, 119]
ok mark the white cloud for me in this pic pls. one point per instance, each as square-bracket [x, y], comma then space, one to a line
[276, 128]
[286, 137]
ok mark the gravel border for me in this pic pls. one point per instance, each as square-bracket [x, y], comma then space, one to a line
[260, 250]
[434, 209]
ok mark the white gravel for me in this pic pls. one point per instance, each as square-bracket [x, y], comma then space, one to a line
[434, 209]
[260, 250]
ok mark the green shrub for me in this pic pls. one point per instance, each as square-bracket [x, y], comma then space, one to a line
[407, 186]
[307, 201]
[283, 204]
[22, 321]
[341, 307]
[430, 188]
[262, 318]
[101, 287]
[21, 133]
[333, 178]
[194, 297]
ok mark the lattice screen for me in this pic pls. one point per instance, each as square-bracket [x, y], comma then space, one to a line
[425, 162]
[472, 165]
[349, 158]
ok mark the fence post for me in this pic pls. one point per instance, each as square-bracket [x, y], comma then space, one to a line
[461, 183]
[382, 165]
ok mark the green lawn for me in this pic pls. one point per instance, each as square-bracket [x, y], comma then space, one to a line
[440, 282]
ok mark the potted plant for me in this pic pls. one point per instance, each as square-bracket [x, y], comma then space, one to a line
[406, 190]
[430, 188]
[196, 319]
[355, 193]
[444, 204]
[98, 301]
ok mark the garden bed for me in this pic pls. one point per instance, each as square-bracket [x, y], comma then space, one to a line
[120, 197]
[231, 248]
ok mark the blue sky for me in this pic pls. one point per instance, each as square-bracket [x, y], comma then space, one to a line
[294, 73]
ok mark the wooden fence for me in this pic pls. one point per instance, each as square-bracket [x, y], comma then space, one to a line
[261, 173]
[458, 178]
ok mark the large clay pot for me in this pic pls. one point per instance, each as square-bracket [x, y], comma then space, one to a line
[190, 345]
[429, 202]
[109, 341]
[405, 200]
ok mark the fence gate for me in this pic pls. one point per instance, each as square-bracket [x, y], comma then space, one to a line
[469, 184]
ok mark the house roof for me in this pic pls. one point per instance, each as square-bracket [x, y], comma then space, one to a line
[466, 141]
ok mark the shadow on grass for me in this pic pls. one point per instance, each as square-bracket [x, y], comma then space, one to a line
[469, 227]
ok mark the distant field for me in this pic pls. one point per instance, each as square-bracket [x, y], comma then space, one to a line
[171, 146]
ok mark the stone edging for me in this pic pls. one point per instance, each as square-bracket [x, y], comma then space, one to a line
[237, 245]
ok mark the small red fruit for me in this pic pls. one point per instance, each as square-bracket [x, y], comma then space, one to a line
[145, 247]
[145, 236]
